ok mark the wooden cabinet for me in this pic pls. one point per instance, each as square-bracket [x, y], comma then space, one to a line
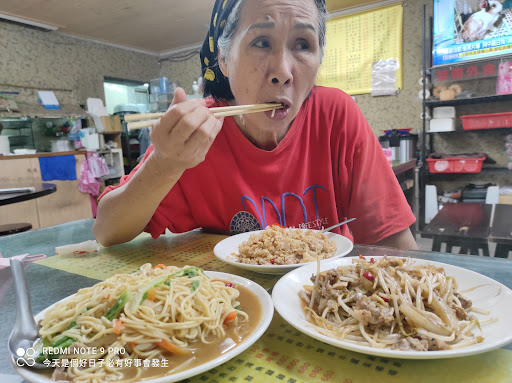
[65, 205]
[18, 173]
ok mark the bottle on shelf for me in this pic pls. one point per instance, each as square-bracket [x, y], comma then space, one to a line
[195, 91]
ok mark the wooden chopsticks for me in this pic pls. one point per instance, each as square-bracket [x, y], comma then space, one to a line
[143, 120]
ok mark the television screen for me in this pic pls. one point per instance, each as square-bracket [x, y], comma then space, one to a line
[466, 30]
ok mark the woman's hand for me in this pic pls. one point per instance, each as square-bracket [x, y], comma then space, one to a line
[183, 135]
[181, 140]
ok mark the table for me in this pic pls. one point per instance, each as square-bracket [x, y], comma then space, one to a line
[501, 230]
[282, 354]
[40, 191]
[9, 198]
[461, 224]
[403, 167]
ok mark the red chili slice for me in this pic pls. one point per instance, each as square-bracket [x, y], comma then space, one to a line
[369, 276]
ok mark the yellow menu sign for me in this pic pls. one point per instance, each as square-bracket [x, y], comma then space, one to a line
[355, 42]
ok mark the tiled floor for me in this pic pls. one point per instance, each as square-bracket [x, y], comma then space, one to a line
[426, 245]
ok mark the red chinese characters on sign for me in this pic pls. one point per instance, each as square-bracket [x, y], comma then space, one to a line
[489, 70]
[442, 75]
[470, 72]
[457, 73]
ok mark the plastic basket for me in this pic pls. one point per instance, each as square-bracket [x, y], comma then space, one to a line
[487, 121]
[455, 165]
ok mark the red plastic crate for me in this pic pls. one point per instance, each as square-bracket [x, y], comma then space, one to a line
[487, 121]
[455, 165]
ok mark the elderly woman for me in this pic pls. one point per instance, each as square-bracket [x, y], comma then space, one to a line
[312, 163]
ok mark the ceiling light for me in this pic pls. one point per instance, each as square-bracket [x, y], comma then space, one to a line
[28, 22]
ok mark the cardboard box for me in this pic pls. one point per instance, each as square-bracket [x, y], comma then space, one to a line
[111, 124]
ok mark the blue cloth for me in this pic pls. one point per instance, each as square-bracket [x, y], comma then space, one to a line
[58, 168]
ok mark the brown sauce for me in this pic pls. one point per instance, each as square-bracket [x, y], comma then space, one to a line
[207, 352]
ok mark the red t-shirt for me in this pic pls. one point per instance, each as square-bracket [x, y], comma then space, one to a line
[328, 167]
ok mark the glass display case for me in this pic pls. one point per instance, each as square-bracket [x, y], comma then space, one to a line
[19, 131]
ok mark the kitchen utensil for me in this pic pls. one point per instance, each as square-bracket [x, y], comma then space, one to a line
[408, 148]
[338, 224]
[403, 144]
[222, 111]
[25, 332]
[5, 262]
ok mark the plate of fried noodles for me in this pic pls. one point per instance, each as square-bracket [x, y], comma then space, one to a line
[397, 307]
[159, 324]
[277, 250]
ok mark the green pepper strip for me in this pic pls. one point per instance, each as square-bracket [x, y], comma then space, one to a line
[118, 306]
[141, 295]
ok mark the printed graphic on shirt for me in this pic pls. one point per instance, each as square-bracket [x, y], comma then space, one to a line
[292, 210]
[243, 222]
[317, 224]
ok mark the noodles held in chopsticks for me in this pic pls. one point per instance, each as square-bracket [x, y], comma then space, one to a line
[156, 313]
[391, 303]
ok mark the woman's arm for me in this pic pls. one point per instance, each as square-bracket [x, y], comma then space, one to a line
[402, 240]
[181, 140]
[124, 212]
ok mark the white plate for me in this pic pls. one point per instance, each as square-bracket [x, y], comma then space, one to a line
[228, 246]
[492, 296]
[267, 311]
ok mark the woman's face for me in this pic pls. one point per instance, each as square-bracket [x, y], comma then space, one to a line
[274, 57]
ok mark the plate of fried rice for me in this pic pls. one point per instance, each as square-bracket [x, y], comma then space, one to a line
[277, 250]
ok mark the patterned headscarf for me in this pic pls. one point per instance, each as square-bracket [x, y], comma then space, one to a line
[216, 83]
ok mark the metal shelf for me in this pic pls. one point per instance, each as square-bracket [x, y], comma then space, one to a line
[427, 138]
[18, 127]
[19, 136]
[486, 171]
[6, 119]
[470, 130]
[468, 101]
[499, 58]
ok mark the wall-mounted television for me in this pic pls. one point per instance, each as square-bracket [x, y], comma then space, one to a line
[467, 30]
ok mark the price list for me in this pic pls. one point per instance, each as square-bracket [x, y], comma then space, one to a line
[355, 42]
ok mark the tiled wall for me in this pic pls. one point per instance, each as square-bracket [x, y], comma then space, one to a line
[49, 60]
[183, 73]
